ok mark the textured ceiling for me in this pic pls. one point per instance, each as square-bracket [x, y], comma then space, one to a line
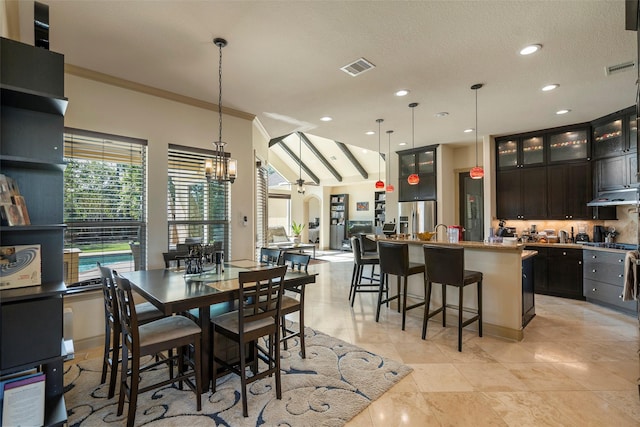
[283, 60]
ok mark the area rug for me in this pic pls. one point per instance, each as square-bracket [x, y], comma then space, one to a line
[334, 383]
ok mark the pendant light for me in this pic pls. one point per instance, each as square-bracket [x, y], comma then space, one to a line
[379, 183]
[389, 186]
[476, 172]
[413, 179]
[221, 167]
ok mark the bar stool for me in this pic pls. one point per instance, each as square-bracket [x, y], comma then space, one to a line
[359, 261]
[394, 260]
[445, 265]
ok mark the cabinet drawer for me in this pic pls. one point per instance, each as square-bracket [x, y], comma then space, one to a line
[604, 257]
[574, 254]
[610, 294]
[604, 272]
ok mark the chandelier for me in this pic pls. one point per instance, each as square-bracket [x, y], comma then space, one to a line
[221, 167]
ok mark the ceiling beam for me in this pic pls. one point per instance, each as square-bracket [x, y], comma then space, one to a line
[298, 161]
[320, 157]
[277, 140]
[352, 159]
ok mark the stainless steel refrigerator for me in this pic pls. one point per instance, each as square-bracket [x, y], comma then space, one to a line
[416, 217]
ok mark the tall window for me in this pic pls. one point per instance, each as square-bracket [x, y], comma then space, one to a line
[105, 200]
[197, 210]
[262, 213]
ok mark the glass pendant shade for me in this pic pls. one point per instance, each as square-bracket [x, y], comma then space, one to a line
[379, 185]
[390, 188]
[413, 179]
[476, 172]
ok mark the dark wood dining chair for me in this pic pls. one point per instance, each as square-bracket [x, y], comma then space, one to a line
[360, 260]
[291, 304]
[260, 293]
[270, 256]
[145, 312]
[174, 332]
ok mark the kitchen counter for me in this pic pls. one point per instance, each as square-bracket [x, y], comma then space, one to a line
[501, 266]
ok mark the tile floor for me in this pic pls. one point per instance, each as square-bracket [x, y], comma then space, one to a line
[577, 365]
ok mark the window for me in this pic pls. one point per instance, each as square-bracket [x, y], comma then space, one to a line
[105, 200]
[279, 210]
[196, 209]
[262, 214]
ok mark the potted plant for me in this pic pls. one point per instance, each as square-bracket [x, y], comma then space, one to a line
[297, 229]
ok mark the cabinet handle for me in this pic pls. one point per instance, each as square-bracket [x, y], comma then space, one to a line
[593, 256]
[620, 275]
[593, 271]
[579, 262]
[564, 253]
[620, 260]
[620, 296]
[524, 276]
[594, 290]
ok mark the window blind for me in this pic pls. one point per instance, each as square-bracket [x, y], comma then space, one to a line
[262, 187]
[105, 200]
[196, 209]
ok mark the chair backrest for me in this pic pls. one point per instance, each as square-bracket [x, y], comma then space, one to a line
[366, 244]
[128, 317]
[356, 249]
[444, 264]
[270, 256]
[298, 262]
[394, 258]
[261, 293]
[111, 309]
[135, 252]
[171, 256]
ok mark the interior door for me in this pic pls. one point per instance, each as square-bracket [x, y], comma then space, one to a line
[471, 207]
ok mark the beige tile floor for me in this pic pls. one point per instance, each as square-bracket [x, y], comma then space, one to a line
[577, 365]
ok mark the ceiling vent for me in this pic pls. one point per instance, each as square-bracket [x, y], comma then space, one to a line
[613, 69]
[358, 67]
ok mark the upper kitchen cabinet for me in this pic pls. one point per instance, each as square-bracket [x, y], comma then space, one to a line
[569, 144]
[520, 151]
[522, 193]
[421, 161]
[615, 134]
[569, 190]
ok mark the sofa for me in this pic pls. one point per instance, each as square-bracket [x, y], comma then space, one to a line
[278, 236]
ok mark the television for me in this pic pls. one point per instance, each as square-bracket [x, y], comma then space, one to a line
[389, 228]
[355, 227]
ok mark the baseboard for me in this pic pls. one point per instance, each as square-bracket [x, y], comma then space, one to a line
[88, 343]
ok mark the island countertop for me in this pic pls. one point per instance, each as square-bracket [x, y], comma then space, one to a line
[472, 245]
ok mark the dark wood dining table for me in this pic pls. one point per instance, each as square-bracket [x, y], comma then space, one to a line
[173, 291]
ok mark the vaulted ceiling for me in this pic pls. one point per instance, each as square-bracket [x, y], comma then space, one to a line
[283, 61]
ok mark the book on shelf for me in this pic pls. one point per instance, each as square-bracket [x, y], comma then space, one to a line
[20, 266]
[13, 208]
[20, 202]
[23, 400]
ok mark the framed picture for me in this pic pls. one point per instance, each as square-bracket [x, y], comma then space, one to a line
[362, 206]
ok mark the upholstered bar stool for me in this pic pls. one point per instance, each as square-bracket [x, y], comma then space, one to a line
[394, 260]
[445, 265]
[359, 262]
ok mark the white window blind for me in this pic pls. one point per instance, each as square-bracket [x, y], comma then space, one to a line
[105, 200]
[196, 209]
[262, 181]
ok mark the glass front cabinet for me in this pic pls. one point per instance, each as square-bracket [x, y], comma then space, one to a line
[518, 152]
[615, 134]
[569, 145]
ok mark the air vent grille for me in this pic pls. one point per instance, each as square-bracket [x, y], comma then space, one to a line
[358, 67]
[618, 68]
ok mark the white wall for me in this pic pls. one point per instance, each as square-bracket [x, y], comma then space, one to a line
[110, 109]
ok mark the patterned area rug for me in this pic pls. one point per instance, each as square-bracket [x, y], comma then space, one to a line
[334, 383]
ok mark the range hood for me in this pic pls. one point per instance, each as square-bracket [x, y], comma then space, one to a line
[616, 198]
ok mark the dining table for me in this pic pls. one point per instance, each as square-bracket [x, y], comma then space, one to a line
[173, 291]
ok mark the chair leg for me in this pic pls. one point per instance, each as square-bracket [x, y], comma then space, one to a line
[276, 363]
[115, 356]
[405, 280]
[301, 323]
[107, 351]
[383, 282]
[480, 308]
[243, 380]
[353, 281]
[398, 291]
[123, 379]
[356, 281]
[460, 319]
[198, 372]
[283, 331]
[444, 305]
[427, 294]
[133, 391]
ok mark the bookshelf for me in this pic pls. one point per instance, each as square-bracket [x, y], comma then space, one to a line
[33, 107]
[379, 210]
[339, 205]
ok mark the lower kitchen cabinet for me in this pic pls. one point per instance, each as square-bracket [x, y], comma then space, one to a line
[604, 279]
[558, 272]
[528, 298]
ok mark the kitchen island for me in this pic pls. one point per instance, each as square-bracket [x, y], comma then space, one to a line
[501, 266]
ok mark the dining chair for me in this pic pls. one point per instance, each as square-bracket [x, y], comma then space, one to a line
[291, 304]
[145, 312]
[359, 261]
[260, 295]
[168, 333]
[270, 256]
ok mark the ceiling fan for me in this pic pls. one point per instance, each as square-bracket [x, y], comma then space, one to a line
[300, 183]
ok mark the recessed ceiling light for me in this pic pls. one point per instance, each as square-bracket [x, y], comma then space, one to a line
[402, 92]
[563, 111]
[403, 143]
[441, 114]
[326, 119]
[547, 88]
[528, 50]
[469, 130]
[369, 132]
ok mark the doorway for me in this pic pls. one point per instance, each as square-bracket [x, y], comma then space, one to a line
[471, 207]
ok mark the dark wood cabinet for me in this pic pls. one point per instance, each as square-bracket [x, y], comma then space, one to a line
[520, 151]
[558, 271]
[528, 298]
[617, 173]
[616, 134]
[421, 161]
[569, 191]
[604, 279]
[522, 193]
[569, 144]
[32, 113]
